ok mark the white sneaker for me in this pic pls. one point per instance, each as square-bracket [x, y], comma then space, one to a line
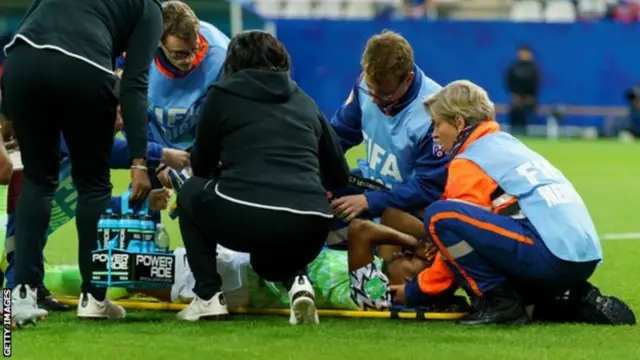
[90, 308]
[24, 306]
[303, 302]
[212, 309]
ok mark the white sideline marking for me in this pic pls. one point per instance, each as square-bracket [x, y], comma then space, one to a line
[622, 236]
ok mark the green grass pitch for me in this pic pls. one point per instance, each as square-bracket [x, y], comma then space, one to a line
[605, 173]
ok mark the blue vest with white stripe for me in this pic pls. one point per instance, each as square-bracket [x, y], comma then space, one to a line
[544, 194]
[391, 140]
[174, 103]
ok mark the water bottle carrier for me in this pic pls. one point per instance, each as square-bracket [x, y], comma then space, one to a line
[127, 255]
[121, 268]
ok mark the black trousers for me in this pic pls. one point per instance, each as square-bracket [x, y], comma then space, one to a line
[48, 93]
[519, 117]
[281, 243]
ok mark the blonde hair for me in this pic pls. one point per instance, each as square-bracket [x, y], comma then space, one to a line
[387, 55]
[180, 21]
[461, 98]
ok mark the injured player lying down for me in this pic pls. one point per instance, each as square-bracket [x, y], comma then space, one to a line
[357, 280]
[346, 280]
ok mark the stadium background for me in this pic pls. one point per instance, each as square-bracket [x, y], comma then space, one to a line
[586, 65]
[589, 58]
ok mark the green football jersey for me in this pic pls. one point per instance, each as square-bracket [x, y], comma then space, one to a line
[334, 285]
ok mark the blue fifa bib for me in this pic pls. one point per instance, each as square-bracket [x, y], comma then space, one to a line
[544, 194]
[391, 141]
[174, 103]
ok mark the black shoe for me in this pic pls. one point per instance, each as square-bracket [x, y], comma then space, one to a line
[501, 305]
[47, 302]
[556, 310]
[449, 304]
[595, 308]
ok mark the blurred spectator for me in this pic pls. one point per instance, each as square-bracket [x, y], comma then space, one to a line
[419, 8]
[523, 83]
[625, 11]
[632, 126]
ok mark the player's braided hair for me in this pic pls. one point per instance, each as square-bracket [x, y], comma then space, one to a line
[256, 49]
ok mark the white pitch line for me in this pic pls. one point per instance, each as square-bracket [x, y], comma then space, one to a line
[621, 236]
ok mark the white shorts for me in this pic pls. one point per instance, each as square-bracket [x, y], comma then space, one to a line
[232, 267]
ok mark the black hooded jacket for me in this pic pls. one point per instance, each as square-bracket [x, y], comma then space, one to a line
[267, 144]
[97, 32]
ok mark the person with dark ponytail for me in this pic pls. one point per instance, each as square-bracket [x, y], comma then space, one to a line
[263, 160]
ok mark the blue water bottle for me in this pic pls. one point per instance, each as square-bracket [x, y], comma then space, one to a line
[111, 230]
[148, 232]
[124, 202]
[129, 231]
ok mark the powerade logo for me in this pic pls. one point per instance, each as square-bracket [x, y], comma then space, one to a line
[118, 261]
[161, 267]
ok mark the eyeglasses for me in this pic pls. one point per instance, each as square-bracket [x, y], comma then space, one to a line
[388, 97]
[181, 54]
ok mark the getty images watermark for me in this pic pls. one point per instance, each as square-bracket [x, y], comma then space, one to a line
[6, 322]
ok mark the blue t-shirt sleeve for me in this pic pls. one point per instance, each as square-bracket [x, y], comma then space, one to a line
[120, 154]
[120, 60]
[425, 187]
[347, 121]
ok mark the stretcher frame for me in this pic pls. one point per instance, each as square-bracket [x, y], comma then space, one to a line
[143, 304]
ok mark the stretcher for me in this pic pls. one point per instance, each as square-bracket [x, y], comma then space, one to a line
[403, 313]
